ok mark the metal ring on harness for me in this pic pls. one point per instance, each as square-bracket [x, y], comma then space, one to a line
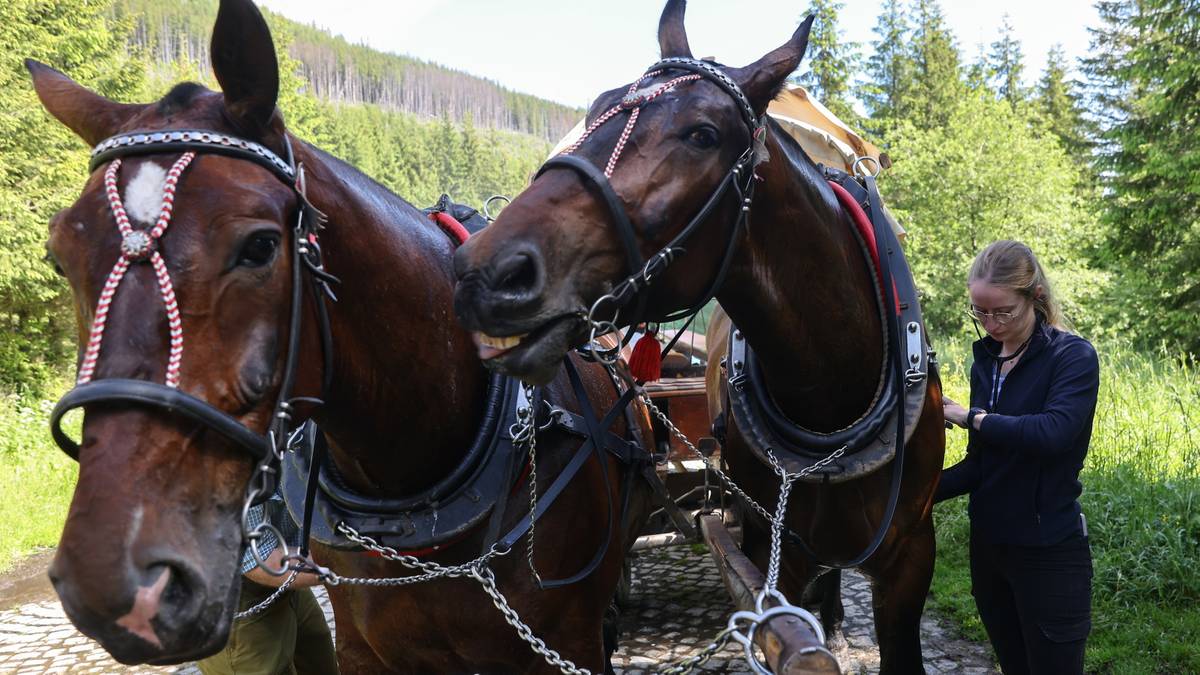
[859, 169]
[756, 619]
[487, 212]
[252, 541]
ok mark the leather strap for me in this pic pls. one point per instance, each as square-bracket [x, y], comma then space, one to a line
[111, 390]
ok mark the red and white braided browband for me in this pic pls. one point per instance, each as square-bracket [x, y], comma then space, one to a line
[634, 104]
[137, 246]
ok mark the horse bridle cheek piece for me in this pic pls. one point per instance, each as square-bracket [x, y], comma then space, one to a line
[606, 311]
[139, 246]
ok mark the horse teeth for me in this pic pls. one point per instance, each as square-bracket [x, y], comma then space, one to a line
[500, 342]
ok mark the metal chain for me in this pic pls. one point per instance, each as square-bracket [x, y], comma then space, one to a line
[486, 578]
[525, 431]
[785, 489]
[692, 662]
[476, 569]
[662, 417]
[769, 591]
[260, 607]
[431, 570]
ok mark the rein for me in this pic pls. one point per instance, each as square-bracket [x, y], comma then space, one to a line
[138, 246]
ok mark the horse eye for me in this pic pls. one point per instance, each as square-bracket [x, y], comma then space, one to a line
[259, 249]
[704, 137]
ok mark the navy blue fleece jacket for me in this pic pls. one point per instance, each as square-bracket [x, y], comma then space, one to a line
[1022, 466]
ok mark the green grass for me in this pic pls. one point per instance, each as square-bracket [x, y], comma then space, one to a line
[1142, 499]
[36, 480]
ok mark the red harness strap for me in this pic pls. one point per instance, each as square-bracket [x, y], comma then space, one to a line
[451, 226]
[864, 228]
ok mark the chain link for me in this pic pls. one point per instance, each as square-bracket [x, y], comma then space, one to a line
[527, 434]
[260, 607]
[785, 489]
[695, 661]
[486, 578]
[769, 591]
[431, 570]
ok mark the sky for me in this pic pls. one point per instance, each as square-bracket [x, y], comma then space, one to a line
[570, 50]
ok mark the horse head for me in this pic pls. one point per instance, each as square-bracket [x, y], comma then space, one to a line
[148, 560]
[664, 167]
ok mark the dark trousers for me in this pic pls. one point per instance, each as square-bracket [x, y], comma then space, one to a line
[1035, 602]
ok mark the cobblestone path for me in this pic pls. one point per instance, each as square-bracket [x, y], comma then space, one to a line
[678, 605]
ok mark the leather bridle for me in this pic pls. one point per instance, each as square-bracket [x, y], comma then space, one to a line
[265, 449]
[643, 271]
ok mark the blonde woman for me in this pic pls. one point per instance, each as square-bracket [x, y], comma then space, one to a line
[1033, 397]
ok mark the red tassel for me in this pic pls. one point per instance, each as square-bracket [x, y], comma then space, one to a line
[646, 361]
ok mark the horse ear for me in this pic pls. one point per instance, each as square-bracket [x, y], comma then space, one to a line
[761, 80]
[672, 38]
[91, 116]
[243, 59]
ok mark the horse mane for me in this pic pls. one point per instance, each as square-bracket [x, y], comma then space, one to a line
[180, 97]
[802, 164]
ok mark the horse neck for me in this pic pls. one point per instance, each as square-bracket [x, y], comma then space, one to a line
[408, 390]
[801, 295]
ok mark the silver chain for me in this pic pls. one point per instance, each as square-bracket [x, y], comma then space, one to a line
[484, 575]
[525, 432]
[762, 614]
[431, 570]
[695, 661]
[269, 599]
[476, 569]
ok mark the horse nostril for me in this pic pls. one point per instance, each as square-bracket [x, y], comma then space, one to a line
[518, 275]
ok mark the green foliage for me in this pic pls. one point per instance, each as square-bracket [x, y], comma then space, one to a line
[890, 68]
[1008, 65]
[420, 160]
[333, 69]
[1058, 101]
[44, 165]
[988, 174]
[36, 478]
[1145, 73]
[831, 62]
[1142, 500]
[936, 83]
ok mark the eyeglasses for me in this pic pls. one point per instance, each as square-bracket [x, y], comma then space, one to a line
[1000, 318]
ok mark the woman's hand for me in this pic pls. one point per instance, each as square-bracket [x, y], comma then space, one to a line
[954, 413]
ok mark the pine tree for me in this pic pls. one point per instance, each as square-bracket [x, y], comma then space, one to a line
[1007, 65]
[890, 68]
[1144, 72]
[936, 82]
[1059, 105]
[830, 60]
[44, 166]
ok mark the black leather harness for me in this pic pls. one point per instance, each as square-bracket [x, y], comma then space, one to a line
[480, 489]
[871, 441]
[266, 449]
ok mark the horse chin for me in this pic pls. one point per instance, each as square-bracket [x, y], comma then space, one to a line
[537, 358]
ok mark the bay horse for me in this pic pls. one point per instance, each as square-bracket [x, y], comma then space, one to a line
[148, 560]
[771, 240]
